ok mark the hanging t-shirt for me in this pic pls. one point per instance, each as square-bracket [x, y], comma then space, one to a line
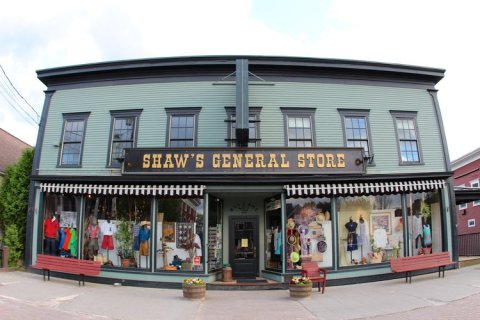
[68, 236]
[73, 242]
[108, 228]
[62, 239]
[417, 227]
[93, 231]
[380, 238]
[363, 234]
[278, 243]
[427, 235]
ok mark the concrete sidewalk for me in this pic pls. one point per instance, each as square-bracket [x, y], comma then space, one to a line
[27, 296]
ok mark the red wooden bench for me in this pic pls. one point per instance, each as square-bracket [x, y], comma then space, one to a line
[426, 261]
[318, 275]
[67, 265]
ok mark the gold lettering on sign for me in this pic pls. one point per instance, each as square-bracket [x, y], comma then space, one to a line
[272, 163]
[301, 160]
[146, 161]
[341, 160]
[157, 158]
[226, 157]
[330, 161]
[237, 160]
[199, 161]
[320, 160]
[216, 160]
[260, 164]
[249, 160]
[180, 160]
[285, 163]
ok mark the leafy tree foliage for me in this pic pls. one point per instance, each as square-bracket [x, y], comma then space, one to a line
[14, 205]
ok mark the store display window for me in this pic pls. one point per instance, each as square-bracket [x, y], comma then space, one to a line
[370, 229]
[273, 234]
[117, 231]
[59, 235]
[180, 238]
[308, 232]
[424, 223]
[215, 209]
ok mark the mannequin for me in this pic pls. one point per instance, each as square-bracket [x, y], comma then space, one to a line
[50, 229]
[144, 237]
[108, 229]
[352, 235]
[427, 235]
[417, 230]
[352, 242]
[93, 231]
[363, 236]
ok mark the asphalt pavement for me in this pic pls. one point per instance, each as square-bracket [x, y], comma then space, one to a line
[457, 296]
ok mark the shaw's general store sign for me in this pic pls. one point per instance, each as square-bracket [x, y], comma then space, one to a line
[243, 161]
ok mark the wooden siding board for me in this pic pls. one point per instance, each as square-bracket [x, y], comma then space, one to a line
[153, 98]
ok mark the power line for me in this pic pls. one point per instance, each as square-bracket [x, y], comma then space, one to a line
[18, 92]
[11, 97]
[29, 119]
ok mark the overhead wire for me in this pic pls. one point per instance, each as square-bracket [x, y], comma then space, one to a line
[11, 94]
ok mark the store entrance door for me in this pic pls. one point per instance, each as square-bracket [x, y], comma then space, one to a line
[244, 246]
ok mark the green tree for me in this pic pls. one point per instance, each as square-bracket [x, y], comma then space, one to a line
[14, 205]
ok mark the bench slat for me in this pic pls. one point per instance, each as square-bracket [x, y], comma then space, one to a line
[408, 264]
[67, 265]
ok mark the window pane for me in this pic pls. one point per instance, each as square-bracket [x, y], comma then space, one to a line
[299, 133]
[306, 122]
[309, 231]
[291, 122]
[370, 229]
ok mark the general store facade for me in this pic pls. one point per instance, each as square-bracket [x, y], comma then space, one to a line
[263, 162]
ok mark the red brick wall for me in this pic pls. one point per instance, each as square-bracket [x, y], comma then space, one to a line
[463, 176]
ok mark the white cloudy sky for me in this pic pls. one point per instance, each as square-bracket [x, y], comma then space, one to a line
[433, 33]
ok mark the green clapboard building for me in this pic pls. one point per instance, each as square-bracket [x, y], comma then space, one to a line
[168, 168]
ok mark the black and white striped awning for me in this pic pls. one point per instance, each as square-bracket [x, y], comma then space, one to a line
[348, 189]
[155, 190]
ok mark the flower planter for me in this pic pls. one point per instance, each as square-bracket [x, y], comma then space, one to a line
[300, 291]
[194, 292]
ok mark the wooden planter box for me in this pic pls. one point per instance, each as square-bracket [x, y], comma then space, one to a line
[194, 292]
[300, 291]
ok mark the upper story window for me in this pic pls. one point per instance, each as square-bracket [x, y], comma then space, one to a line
[475, 184]
[253, 127]
[299, 127]
[123, 134]
[72, 139]
[408, 141]
[182, 129]
[356, 132]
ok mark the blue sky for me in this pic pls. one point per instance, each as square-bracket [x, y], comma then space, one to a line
[52, 33]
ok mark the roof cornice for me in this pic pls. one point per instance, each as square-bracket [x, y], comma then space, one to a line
[123, 67]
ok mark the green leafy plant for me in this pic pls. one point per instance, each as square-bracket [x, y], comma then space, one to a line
[124, 237]
[14, 206]
[193, 282]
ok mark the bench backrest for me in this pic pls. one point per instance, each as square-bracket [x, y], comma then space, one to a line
[68, 265]
[420, 261]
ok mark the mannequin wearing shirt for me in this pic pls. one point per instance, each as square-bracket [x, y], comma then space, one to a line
[108, 229]
[93, 230]
[50, 229]
[352, 242]
[144, 242]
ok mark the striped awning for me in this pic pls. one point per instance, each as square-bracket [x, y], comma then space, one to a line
[155, 190]
[349, 189]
